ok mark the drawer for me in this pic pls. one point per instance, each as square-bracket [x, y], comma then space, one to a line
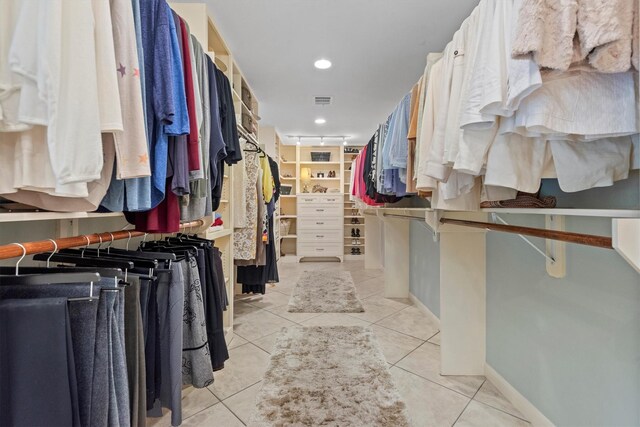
[320, 236]
[318, 223]
[320, 199]
[315, 210]
[324, 250]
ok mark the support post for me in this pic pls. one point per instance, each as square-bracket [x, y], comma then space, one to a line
[396, 250]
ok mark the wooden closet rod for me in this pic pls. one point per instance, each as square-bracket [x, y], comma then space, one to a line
[13, 251]
[564, 236]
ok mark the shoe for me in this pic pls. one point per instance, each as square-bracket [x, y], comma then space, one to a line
[353, 251]
[353, 241]
[357, 241]
[353, 232]
[356, 221]
[357, 232]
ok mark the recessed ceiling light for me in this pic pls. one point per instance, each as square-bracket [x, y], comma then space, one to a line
[320, 121]
[322, 64]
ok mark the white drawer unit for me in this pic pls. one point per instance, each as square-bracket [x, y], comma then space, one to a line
[320, 226]
[323, 223]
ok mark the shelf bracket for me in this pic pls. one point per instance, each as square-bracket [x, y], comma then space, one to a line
[554, 253]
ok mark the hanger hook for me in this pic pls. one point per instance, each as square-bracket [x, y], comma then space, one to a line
[85, 248]
[55, 249]
[144, 239]
[99, 244]
[111, 242]
[24, 254]
[129, 239]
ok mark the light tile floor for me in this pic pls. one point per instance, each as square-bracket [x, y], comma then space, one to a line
[408, 338]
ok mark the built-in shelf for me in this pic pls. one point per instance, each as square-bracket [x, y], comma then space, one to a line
[290, 236]
[354, 216]
[48, 216]
[605, 213]
[319, 163]
[353, 245]
[288, 163]
[287, 178]
[217, 234]
[324, 179]
[224, 201]
[288, 216]
[287, 196]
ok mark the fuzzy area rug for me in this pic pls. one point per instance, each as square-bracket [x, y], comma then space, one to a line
[328, 376]
[325, 292]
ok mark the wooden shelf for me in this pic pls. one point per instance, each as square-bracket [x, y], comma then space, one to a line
[47, 216]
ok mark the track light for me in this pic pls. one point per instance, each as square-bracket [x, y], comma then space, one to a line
[298, 143]
[322, 140]
[344, 141]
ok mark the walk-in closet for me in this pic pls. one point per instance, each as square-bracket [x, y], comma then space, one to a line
[290, 213]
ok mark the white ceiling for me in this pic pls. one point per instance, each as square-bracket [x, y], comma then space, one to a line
[378, 49]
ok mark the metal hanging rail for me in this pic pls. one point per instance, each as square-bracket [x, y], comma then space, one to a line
[14, 250]
[564, 236]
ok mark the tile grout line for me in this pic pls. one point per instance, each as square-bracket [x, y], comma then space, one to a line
[239, 391]
[498, 409]
[407, 335]
[233, 413]
[469, 402]
[434, 382]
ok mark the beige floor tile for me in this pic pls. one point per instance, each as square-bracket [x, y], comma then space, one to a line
[334, 319]
[294, 317]
[243, 404]
[270, 299]
[435, 339]
[490, 395]
[411, 321]
[242, 308]
[394, 345]
[378, 307]
[425, 362]
[259, 324]
[480, 415]
[195, 400]
[267, 343]
[236, 341]
[246, 366]
[285, 286]
[428, 404]
[217, 415]
[370, 287]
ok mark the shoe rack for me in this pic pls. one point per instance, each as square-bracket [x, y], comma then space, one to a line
[354, 221]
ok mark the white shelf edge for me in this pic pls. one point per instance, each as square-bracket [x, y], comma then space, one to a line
[604, 213]
[290, 236]
[48, 216]
[212, 235]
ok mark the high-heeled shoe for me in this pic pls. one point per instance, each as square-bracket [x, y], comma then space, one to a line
[353, 232]
[357, 232]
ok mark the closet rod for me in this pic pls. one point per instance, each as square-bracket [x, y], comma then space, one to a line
[419, 218]
[564, 236]
[13, 250]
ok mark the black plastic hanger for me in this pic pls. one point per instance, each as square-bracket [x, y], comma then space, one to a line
[84, 261]
[142, 262]
[103, 272]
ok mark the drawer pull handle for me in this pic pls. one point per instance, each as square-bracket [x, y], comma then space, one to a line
[319, 249]
[319, 236]
[319, 210]
[319, 223]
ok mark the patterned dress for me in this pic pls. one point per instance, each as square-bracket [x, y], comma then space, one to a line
[245, 238]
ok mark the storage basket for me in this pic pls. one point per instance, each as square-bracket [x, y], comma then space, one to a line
[320, 156]
[285, 226]
[285, 189]
[246, 98]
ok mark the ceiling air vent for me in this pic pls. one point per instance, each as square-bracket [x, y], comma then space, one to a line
[323, 100]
